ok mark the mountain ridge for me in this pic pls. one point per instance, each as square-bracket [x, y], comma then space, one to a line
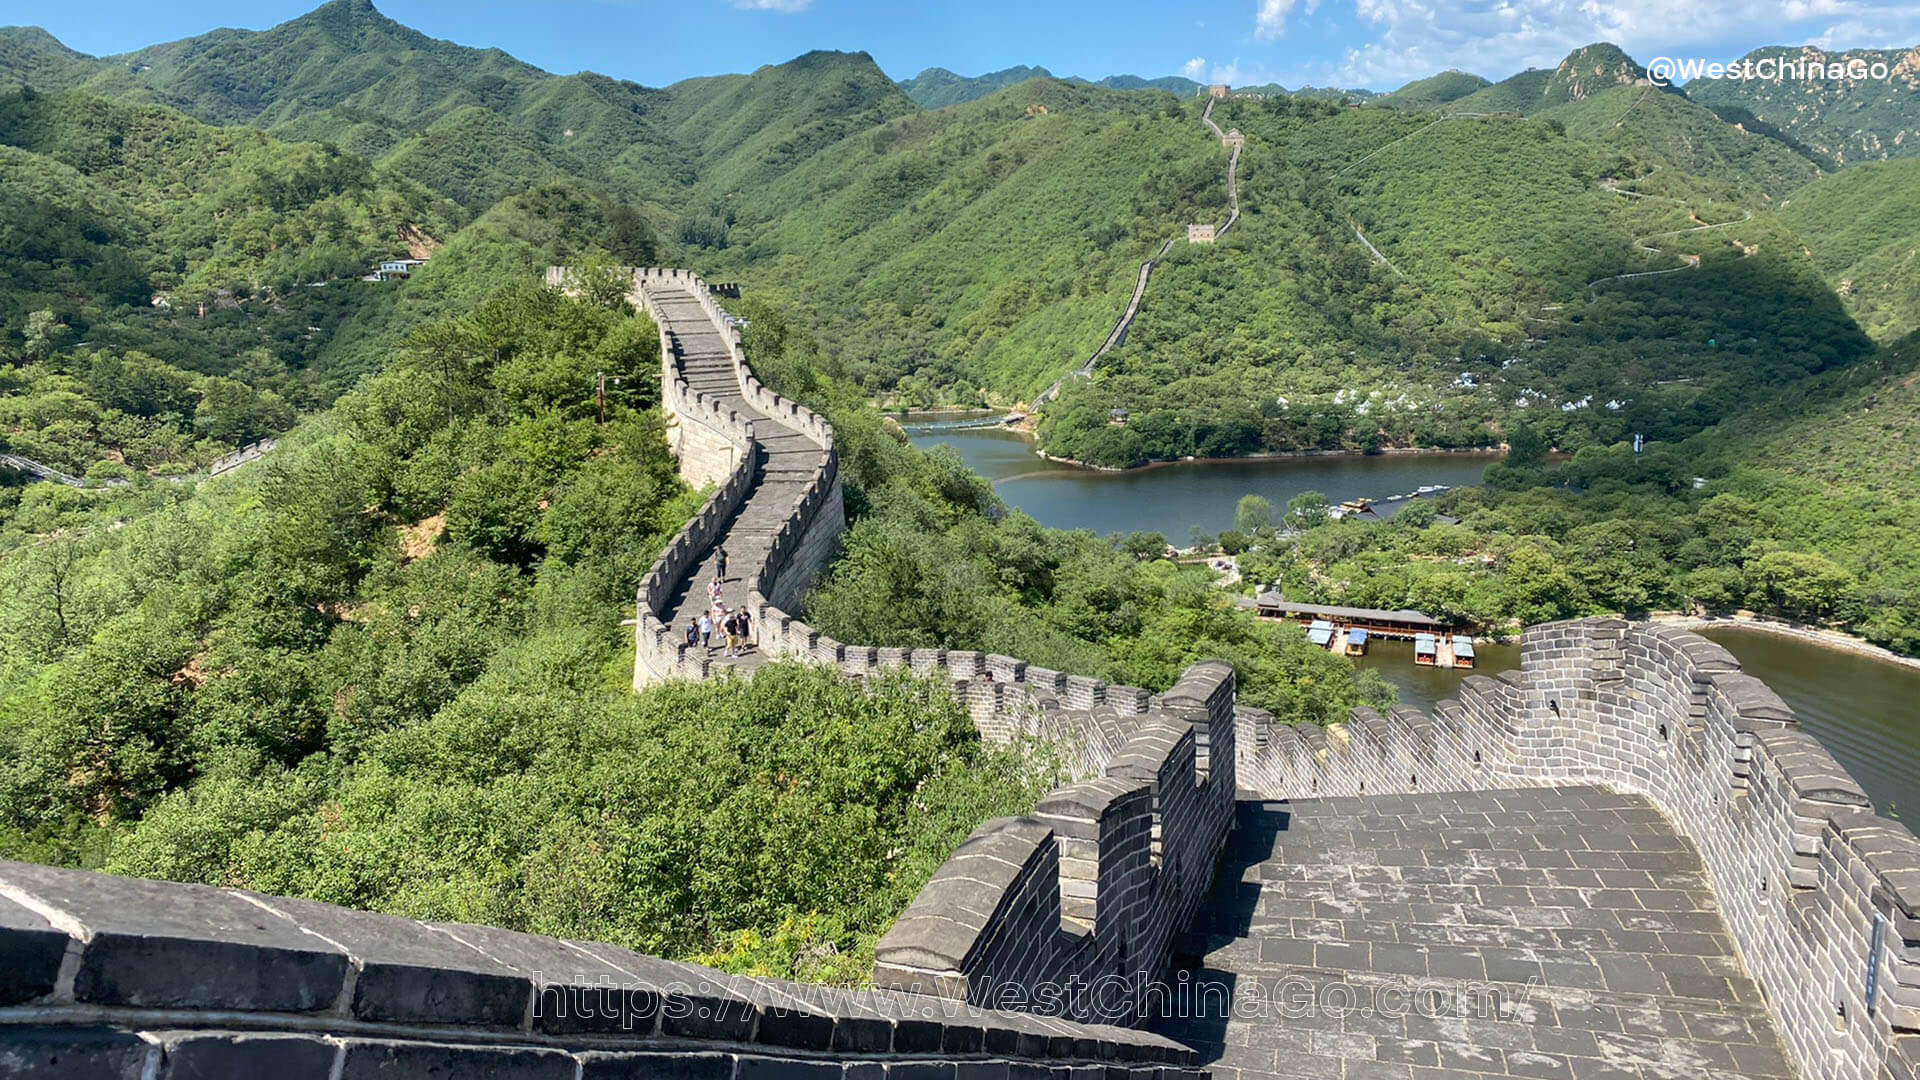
[1841, 121]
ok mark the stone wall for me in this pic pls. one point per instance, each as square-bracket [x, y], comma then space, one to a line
[1070, 908]
[107, 977]
[1820, 894]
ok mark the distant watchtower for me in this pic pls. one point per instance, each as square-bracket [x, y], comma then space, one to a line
[1220, 90]
[1199, 234]
[1233, 140]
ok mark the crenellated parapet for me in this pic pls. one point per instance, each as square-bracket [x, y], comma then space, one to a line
[1820, 894]
[1073, 908]
[113, 978]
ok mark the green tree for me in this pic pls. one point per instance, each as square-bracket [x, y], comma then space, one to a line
[1526, 449]
[596, 281]
[1306, 510]
[1802, 584]
[1254, 514]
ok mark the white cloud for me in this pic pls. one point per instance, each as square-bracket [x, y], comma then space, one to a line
[787, 7]
[1270, 21]
[1195, 69]
[1415, 38]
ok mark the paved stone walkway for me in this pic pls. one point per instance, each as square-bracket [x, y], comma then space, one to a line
[786, 461]
[1557, 934]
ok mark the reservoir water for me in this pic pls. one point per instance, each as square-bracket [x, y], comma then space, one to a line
[1865, 711]
[1173, 499]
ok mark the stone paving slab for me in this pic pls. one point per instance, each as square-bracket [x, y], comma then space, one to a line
[1554, 934]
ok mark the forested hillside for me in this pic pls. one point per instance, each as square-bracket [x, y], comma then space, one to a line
[936, 88]
[170, 286]
[1841, 121]
[1397, 277]
[1497, 295]
[1434, 90]
[384, 666]
[1862, 228]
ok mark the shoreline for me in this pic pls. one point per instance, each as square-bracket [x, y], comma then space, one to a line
[1023, 427]
[1829, 639]
[1278, 455]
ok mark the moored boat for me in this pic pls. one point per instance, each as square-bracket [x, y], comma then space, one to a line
[1463, 652]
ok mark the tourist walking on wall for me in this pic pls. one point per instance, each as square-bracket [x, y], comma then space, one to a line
[713, 591]
[706, 630]
[746, 631]
[731, 624]
[693, 633]
[721, 563]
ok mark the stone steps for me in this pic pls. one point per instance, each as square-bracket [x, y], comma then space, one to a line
[788, 460]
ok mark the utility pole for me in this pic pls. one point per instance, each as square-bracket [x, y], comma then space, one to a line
[600, 392]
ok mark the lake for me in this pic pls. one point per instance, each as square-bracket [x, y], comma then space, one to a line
[1863, 710]
[1176, 498]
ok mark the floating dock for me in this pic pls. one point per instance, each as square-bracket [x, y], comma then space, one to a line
[1377, 622]
[1439, 650]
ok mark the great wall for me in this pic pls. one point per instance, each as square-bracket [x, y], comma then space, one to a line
[1197, 233]
[1622, 860]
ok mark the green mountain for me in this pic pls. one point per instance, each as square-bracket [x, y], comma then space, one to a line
[1521, 93]
[1497, 297]
[346, 74]
[739, 130]
[1172, 84]
[1840, 120]
[979, 250]
[976, 252]
[984, 243]
[1861, 227]
[1586, 72]
[1693, 152]
[1434, 90]
[173, 289]
[29, 56]
[937, 88]
[342, 53]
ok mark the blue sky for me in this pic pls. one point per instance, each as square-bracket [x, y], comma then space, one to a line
[1358, 43]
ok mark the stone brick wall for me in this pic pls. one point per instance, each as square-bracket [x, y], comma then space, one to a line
[108, 977]
[1069, 908]
[1802, 867]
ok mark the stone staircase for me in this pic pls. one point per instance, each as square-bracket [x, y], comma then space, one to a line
[784, 460]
